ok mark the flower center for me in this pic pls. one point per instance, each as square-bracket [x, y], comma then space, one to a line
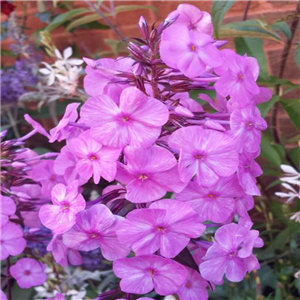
[210, 196]
[193, 48]
[93, 235]
[240, 76]
[160, 228]
[249, 124]
[188, 285]
[125, 119]
[151, 272]
[199, 156]
[93, 157]
[143, 177]
[65, 207]
[27, 272]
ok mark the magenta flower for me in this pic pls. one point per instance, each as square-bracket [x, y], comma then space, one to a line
[194, 287]
[95, 227]
[149, 174]
[246, 125]
[205, 154]
[8, 208]
[12, 241]
[192, 53]
[2, 295]
[167, 225]
[231, 253]
[238, 77]
[192, 17]
[62, 254]
[101, 79]
[67, 202]
[94, 159]
[28, 272]
[215, 203]
[142, 274]
[63, 130]
[37, 126]
[248, 170]
[136, 121]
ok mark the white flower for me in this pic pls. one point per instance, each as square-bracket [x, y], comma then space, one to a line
[64, 59]
[293, 177]
[296, 217]
[291, 195]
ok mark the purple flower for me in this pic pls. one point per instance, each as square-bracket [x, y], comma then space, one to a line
[149, 174]
[215, 203]
[8, 208]
[63, 130]
[231, 253]
[246, 125]
[192, 17]
[136, 121]
[62, 254]
[192, 53]
[95, 227]
[94, 159]
[28, 272]
[167, 225]
[12, 241]
[37, 126]
[205, 154]
[194, 287]
[248, 170]
[142, 274]
[238, 77]
[67, 202]
[101, 79]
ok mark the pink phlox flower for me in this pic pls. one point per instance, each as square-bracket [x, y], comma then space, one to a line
[192, 54]
[220, 104]
[243, 205]
[67, 202]
[28, 156]
[63, 130]
[194, 287]
[8, 208]
[12, 241]
[137, 121]
[2, 295]
[238, 77]
[265, 94]
[37, 126]
[62, 254]
[142, 274]
[96, 227]
[28, 273]
[65, 165]
[205, 155]
[215, 203]
[247, 172]
[167, 225]
[149, 174]
[45, 175]
[246, 125]
[231, 254]
[94, 159]
[192, 17]
[101, 79]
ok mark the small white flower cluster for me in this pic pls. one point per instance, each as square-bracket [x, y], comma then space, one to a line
[64, 72]
[292, 177]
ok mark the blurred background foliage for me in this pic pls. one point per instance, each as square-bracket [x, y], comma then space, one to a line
[279, 276]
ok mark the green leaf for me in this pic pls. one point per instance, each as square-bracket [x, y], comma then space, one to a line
[115, 45]
[218, 11]
[284, 28]
[269, 152]
[249, 28]
[123, 8]
[62, 18]
[266, 106]
[294, 153]
[292, 107]
[297, 55]
[5, 52]
[85, 20]
[253, 47]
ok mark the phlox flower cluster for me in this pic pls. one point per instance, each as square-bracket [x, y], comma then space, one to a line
[170, 168]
